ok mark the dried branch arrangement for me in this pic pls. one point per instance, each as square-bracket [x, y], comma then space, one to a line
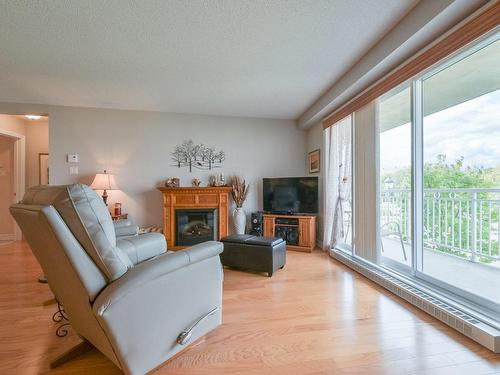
[239, 191]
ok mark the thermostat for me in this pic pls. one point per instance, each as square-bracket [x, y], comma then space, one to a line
[72, 158]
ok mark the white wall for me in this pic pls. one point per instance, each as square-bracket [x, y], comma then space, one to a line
[136, 147]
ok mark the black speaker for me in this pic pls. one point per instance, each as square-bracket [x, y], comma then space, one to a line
[281, 232]
[289, 234]
[256, 222]
[293, 236]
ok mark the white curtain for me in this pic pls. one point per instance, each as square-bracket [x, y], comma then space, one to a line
[366, 186]
[337, 183]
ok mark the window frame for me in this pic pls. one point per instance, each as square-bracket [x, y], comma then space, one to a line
[417, 186]
[462, 297]
[384, 261]
[417, 176]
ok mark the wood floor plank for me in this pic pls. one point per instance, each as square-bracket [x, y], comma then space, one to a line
[315, 316]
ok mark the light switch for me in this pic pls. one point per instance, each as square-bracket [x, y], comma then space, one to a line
[73, 169]
[73, 158]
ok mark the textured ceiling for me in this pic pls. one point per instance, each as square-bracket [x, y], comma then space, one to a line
[236, 58]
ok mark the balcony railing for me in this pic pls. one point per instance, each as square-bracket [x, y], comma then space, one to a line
[462, 222]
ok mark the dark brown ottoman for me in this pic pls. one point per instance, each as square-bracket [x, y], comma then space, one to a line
[254, 253]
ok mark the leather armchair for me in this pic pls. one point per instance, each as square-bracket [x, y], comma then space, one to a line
[136, 303]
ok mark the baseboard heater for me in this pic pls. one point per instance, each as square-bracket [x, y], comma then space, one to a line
[469, 326]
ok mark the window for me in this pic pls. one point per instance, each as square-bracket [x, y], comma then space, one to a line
[439, 175]
[395, 134]
[461, 173]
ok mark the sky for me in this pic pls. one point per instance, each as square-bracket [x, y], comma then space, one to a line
[470, 129]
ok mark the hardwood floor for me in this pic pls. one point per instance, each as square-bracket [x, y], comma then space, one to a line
[313, 317]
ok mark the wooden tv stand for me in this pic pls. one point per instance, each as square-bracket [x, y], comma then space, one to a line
[306, 226]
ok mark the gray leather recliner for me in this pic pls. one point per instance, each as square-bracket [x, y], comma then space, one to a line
[128, 297]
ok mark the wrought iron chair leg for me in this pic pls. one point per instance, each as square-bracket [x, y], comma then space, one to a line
[58, 317]
[60, 314]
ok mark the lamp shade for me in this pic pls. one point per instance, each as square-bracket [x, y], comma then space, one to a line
[104, 181]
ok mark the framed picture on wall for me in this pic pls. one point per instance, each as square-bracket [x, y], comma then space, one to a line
[43, 168]
[314, 161]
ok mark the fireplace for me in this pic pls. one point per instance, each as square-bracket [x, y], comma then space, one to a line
[207, 198]
[195, 226]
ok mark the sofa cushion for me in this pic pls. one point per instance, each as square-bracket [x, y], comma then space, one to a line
[88, 218]
[143, 246]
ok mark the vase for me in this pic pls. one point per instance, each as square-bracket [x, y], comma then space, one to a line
[239, 220]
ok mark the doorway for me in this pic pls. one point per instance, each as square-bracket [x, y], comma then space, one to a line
[12, 181]
[24, 162]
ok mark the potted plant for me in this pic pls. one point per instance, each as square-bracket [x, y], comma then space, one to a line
[239, 192]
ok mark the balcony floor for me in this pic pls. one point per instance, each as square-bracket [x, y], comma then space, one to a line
[477, 278]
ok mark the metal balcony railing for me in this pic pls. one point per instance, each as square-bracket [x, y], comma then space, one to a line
[462, 222]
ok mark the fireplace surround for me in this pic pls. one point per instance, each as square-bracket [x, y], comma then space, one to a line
[194, 198]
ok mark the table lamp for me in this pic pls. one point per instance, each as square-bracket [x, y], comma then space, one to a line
[104, 181]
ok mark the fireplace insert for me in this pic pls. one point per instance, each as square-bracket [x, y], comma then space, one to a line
[195, 226]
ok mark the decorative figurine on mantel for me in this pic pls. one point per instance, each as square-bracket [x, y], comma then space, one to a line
[172, 182]
[217, 180]
[196, 182]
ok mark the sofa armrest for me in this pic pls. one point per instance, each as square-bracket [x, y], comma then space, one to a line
[153, 269]
[131, 230]
[122, 223]
[125, 227]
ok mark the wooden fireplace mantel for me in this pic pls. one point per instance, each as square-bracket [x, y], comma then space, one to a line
[194, 197]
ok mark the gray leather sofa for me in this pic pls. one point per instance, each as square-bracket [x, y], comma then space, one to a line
[125, 228]
[128, 297]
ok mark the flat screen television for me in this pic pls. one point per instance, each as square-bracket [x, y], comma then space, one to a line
[291, 195]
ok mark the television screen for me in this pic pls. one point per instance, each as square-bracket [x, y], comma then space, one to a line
[291, 195]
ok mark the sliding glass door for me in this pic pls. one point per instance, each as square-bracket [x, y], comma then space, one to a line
[395, 135]
[461, 173]
[439, 175]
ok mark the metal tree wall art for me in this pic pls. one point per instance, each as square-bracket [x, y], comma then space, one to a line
[196, 156]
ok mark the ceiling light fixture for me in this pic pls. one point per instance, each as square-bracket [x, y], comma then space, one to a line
[33, 117]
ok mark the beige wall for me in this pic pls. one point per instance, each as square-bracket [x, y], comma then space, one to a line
[12, 124]
[6, 186]
[136, 147]
[37, 141]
